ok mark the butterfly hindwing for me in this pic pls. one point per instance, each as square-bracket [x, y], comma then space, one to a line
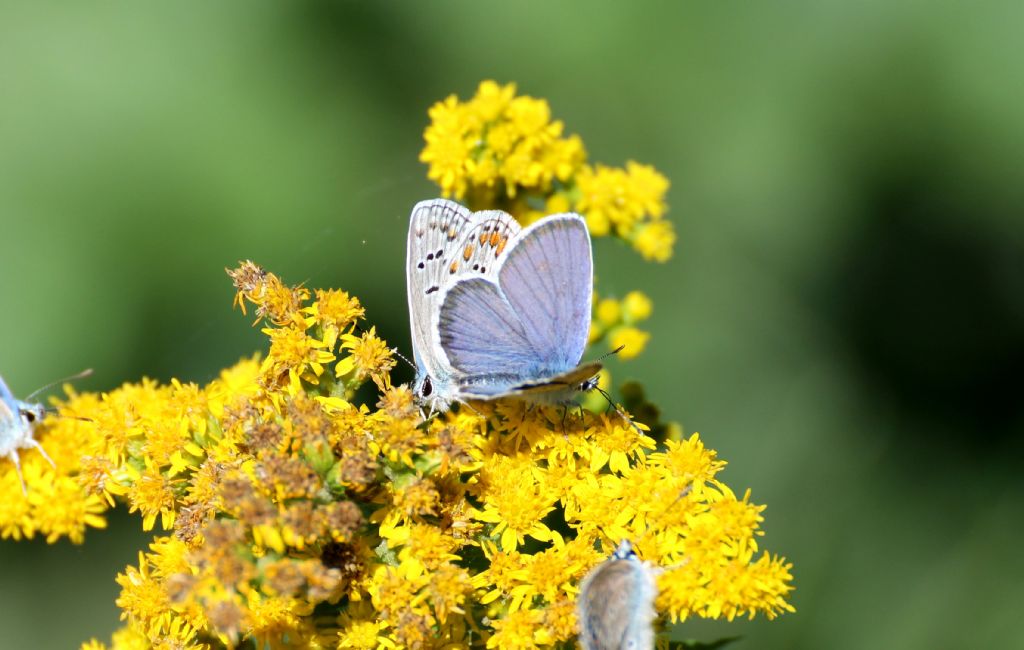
[482, 248]
[435, 230]
[482, 335]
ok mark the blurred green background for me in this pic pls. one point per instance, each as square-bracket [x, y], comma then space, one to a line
[843, 319]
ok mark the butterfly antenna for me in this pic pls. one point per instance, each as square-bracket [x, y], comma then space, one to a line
[613, 352]
[52, 411]
[611, 403]
[403, 358]
[607, 397]
[84, 373]
[359, 328]
[592, 384]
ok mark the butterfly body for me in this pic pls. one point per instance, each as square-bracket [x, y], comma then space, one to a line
[17, 422]
[615, 606]
[497, 310]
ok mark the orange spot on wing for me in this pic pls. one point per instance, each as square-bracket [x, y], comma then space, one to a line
[466, 254]
[495, 238]
[454, 267]
[501, 246]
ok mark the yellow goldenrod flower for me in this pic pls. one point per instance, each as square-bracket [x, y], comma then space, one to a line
[309, 503]
[126, 638]
[520, 630]
[62, 509]
[295, 356]
[630, 339]
[516, 502]
[636, 306]
[474, 527]
[498, 148]
[370, 358]
[56, 503]
[449, 145]
[334, 311]
[647, 189]
[359, 628]
[608, 312]
[654, 240]
[274, 300]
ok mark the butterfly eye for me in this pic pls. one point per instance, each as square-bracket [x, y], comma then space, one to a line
[29, 415]
[427, 387]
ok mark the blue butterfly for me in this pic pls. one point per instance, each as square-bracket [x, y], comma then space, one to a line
[498, 310]
[17, 421]
[615, 606]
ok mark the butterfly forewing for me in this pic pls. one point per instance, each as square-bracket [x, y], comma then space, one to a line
[447, 242]
[547, 279]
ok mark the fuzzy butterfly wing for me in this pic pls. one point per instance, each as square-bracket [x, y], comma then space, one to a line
[435, 230]
[13, 431]
[529, 322]
[615, 607]
[481, 250]
[548, 279]
[446, 243]
[484, 339]
[8, 410]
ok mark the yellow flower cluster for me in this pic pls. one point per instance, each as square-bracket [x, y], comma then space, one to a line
[55, 505]
[299, 515]
[500, 150]
[306, 501]
[615, 321]
[503, 150]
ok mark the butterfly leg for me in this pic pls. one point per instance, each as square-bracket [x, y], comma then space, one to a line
[42, 451]
[621, 413]
[470, 407]
[17, 468]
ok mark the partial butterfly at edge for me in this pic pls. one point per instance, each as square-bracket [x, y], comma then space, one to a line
[17, 423]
